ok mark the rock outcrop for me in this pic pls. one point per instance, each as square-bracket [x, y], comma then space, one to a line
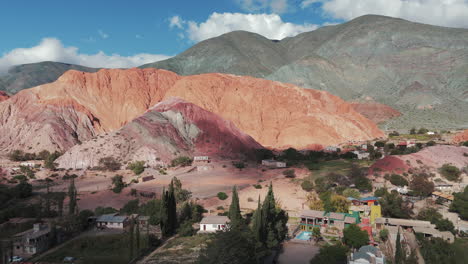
[79, 106]
[461, 137]
[172, 128]
[3, 96]
[376, 112]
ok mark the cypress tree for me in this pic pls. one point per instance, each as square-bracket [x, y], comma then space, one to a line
[137, 235]
[234, 209]
[172, 209]
[72, 195]
[399, 254]
[163, 214]
[258, 225]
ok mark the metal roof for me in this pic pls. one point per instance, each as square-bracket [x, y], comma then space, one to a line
[112, 218]
[312, 213]
[215, 219]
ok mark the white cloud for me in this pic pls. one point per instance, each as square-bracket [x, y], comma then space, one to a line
[451, 13]
[102, 34]
[274, 6]
[51, 49]
[307, 3]
[176, 21]
[268, 25]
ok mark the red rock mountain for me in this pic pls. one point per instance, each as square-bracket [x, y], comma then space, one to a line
[81, 105]
[461, 137]
[172, 128]
[376, 112]
[3, 96]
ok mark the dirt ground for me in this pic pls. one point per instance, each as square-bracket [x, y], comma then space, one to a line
[297, 253]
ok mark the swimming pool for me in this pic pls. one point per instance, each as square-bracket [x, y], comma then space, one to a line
[304, 235]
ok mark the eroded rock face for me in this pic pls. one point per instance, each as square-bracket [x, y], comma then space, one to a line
[376, 112]
[170, 129]
[79, 106]
[461, 137]
[3, 96]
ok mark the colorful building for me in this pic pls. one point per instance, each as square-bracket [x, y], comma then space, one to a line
[313, 218]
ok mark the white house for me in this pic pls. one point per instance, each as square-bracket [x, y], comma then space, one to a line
[430, 133]
[274, 164]
[213, 223]
[112, 221]
[201, 159]
[361, 154]
[28, 164]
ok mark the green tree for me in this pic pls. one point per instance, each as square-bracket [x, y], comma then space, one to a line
[258, 226]
[398, 180]
[354, 237]
[339, 204]
[234, 209]
[316, 233]
[182, 161]
[393, 206]
[181, 194]
[421, 186]
[331, 254]
[131, 235]
[138, 167]
[460, 204]
[72, 195]
[137, 236]
[222, 196]
[351, 193]
[400, 255]
[22, 190]
[131, 207]
[230, 247]
[117, 182]
[450, 172]
[383, 234]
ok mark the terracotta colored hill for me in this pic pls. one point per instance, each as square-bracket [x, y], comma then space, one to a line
[3, 96]
[376, 112]
[461, 137]
[81, 105]
[172, 128]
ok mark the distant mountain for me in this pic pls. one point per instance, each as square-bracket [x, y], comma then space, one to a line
[80, 106]
[29, 75]
[420, 70]
[172, 128]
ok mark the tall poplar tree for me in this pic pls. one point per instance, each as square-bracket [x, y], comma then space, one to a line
[72, 195]
[399, 253]
[258, 224]
[234, 209]
[163, 222]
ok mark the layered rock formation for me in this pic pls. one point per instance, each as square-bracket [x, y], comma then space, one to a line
[3, 96]
[81, 105]
[172, 128]
[376, 112]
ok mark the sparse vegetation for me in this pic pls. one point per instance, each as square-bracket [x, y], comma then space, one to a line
[238, 164]
[109, 163]
[307, 186]
[222, 196]
[397, 180]
[450, 172]
[289, 173]
[182, 161]
[138, 167]
[118, 184]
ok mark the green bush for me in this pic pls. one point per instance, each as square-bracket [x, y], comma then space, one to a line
[182, 161]
[383, 234]
[138, 167]
[186, 229]
[450, 172]
[289, 173]
[257, 186]
[222, 196]
[307, 186]
[238, 164]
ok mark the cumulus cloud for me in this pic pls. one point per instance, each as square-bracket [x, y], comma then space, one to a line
[176, 21]
[274, 6]
[268, 25]
[51, 49]
[451, 13]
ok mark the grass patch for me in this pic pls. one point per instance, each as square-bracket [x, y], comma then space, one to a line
[94, 250]
[421, 137]
[341, 166]
[181, 250]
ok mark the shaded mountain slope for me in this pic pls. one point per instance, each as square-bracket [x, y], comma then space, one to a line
[30, 75]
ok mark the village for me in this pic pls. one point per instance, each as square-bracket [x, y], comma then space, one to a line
[336, 194]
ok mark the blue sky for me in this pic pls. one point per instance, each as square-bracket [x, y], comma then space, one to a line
[122, 33]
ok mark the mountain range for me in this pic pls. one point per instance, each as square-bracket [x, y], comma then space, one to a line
[80, 106]
[420, 70]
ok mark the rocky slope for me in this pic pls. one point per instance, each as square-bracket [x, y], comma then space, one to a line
[3, 96]
[461, 137]
[172, 128]
[30, 75]
[376, 112]
[420, 70]
[81, 105]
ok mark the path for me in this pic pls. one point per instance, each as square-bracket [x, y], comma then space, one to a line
[297, 252]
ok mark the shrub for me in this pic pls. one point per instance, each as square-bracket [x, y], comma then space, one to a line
[307, 186]
[118, 183]
[465, 144]
[289, 173]
[238, 164]
[398, 180]
[351, 193]
[383, 234]
[431, 143]
[450, 172]
[221, 208]
[138, 167]
[20, 178]
[257, 186]
[182, 161]
[186, 229]
[222, 196]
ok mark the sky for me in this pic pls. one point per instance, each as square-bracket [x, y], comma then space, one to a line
[118, 33]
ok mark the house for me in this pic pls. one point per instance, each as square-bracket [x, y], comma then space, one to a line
[112, 221]
[430, 133]
[32, 241]
[313, 218]
[332, 149]
[443, 197]
[432, 232]
[406, 144]
[361, 154]
[204, 159]
[274, 164]
[367, 255]
[443, 187]
[213, 223]
[384, 222]
[28, 164]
